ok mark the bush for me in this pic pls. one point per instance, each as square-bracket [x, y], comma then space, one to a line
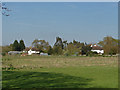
[66, 54]
[90, 53]
[3, 53]
[11, 67]
[57, 50]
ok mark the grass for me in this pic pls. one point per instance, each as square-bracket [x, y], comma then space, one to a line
[60, 72]
[43, 79]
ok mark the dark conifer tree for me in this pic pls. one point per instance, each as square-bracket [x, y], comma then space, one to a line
[16, 46]
[21, 45]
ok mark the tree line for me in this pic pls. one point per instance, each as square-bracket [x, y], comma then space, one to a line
[60, 47]
[16, 46]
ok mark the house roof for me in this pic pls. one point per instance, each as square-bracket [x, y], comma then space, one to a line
[14, 52]
[97, 48]
[33, 49]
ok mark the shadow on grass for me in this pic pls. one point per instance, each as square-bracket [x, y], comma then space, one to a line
[24, 79]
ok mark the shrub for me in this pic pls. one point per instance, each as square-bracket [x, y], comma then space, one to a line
[90, 53]
[11, 67]
[67, 54]
[3, 53]
[57, 50]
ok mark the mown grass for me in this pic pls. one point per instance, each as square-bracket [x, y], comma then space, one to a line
[60, 72]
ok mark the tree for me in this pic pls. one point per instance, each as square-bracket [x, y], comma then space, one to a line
[41, 45]
[86, 49]
[65, 44]
[110, 45]
[58, 46]
[7, 48]
[50, 50]
[59, 42]
[35, 43]
[74, 48]
[16, 46]
[57, 50]
[71, 49]
[21, 45]
[75, 42]
[4, 10]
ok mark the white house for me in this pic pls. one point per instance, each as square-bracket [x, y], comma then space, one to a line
[97, 49]
[30, 52]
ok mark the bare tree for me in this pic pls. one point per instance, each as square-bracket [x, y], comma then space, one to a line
[4, 9]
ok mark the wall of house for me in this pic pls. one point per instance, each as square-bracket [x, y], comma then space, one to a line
[98, 51]
[30, 52]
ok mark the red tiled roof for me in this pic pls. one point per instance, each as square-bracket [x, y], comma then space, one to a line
[97, 48]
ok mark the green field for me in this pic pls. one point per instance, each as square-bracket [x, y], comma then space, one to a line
[59, 72]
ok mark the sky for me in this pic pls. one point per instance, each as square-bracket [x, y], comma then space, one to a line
[86, 22]
[60, 0]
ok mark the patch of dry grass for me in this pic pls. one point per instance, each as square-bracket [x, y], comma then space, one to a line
[57, 61]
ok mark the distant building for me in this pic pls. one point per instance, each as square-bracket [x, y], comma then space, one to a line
[97, 49]
[30, 52]
[44, 54]
[14, 52]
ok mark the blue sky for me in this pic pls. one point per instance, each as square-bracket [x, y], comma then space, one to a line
[85, 22]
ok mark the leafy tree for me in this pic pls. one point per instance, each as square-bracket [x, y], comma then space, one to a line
[21, 45]
[110, 45]
[4, 10]
[86, 49]
[57, 50]
[65, 44]
[75, 42]
[35, 43]
[41, 45]
[6, 49]
[58, 46]
[50, 50]
[74, 47]
[78, 44]
[71, 49]
[59, 42]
